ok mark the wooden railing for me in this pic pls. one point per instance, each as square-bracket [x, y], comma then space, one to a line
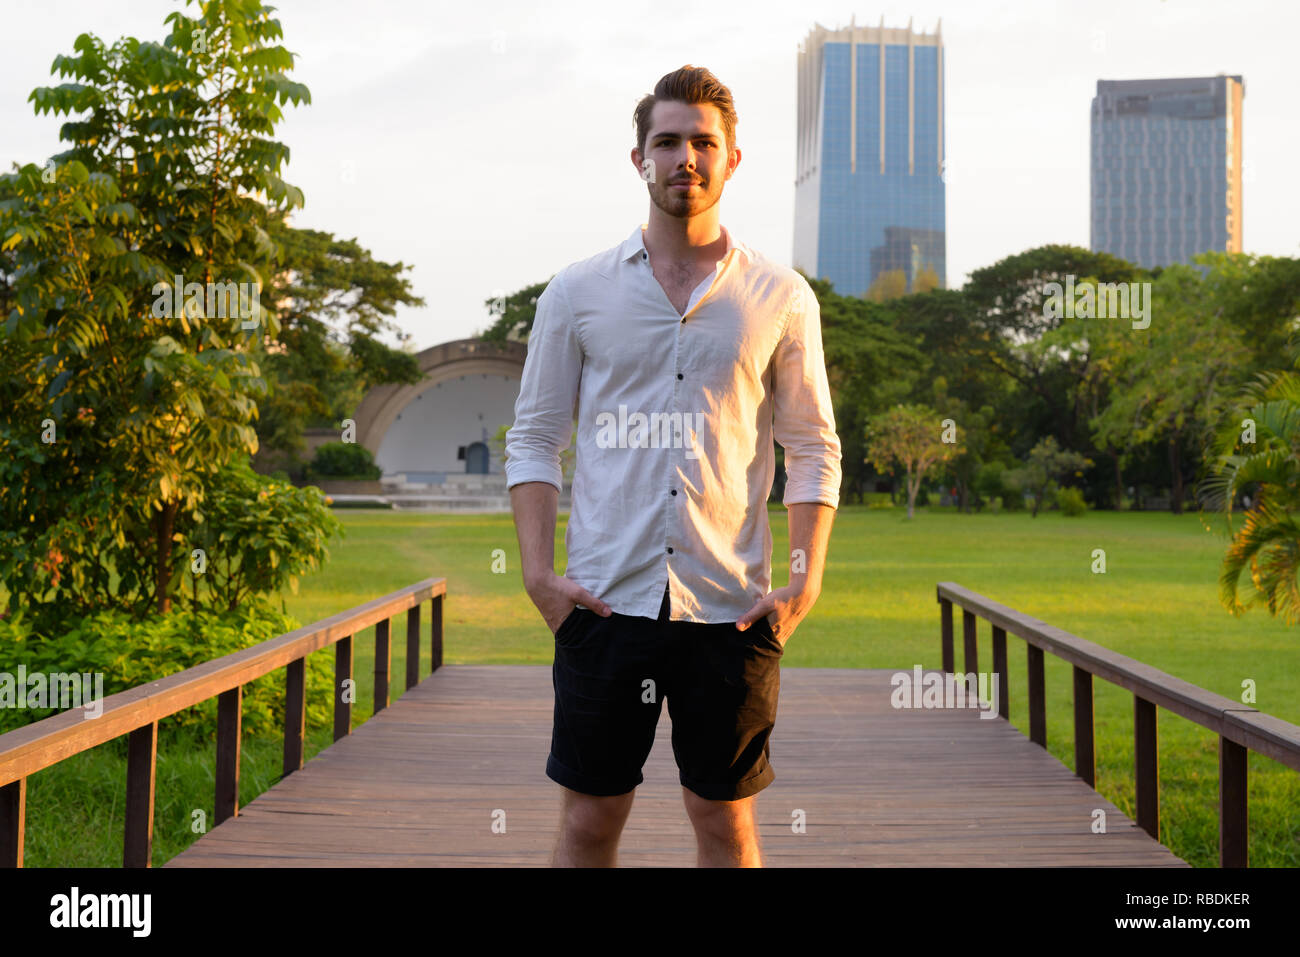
[1240, 728]
[136, 713]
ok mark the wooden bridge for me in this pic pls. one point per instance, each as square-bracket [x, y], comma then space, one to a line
[452, 773]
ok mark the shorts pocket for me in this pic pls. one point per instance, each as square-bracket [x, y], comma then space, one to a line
[763, 628]
[566, 626]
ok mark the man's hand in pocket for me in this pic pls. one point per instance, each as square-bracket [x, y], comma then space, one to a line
[556, 596]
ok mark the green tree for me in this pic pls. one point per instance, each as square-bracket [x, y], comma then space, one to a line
[335, 301]
[980, 441]
[1047, 462]
[913, 437]
[1260, 297]
[513, 314]
[1173, 380]
[1010, 312]
[870, 366]
[122, 409]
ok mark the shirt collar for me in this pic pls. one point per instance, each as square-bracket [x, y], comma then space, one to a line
[635, 244]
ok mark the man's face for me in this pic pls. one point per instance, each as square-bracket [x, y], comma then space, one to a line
[687, 146]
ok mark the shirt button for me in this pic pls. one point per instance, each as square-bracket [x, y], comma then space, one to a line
[674, 491]
[670, 551]
[645, 255]
[679, 375]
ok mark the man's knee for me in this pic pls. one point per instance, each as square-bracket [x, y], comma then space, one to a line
[592, 819]
[719, 818]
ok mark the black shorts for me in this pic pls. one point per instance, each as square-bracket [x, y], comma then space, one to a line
[611, 676]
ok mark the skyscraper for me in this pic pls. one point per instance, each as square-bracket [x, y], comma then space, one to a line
[869, 187]
[1166, 168]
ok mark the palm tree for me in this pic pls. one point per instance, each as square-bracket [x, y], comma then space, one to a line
[1257, 454]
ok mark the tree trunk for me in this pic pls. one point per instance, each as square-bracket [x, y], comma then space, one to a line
[1176, 468]
[164, 520]
[1119, 483]
[912, 487]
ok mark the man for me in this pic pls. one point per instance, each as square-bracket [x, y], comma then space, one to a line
[682, 353]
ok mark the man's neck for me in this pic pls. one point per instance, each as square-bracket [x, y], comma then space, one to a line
[696, 239]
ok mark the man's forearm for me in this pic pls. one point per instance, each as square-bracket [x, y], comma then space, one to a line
[810, 535]
[534, 505]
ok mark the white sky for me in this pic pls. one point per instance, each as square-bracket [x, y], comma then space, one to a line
[487, 142]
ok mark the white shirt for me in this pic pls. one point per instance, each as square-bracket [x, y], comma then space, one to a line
[675, 420]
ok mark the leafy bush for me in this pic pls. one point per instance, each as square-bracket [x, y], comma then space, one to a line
[343, 460]
[1013, 488]
[256, 534]
[1070, 501]
[991, 483]
[129, 653]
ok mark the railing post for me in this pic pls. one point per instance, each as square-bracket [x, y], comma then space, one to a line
[1003, 674]
[345, 688]
[13, 822]
[141, 767]
[1146, 762]
[437, 633]
[412, 646]
[1037, 696]
[1085, 762]
[945, 629]
[187, 689]
[229, 721]
[295, 714]
[970, 648]
[1232, 804]
[383, 662]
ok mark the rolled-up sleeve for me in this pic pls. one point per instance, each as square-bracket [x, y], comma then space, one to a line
[803, 420]
[548, 393]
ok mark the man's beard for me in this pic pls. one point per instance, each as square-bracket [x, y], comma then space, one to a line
[684, 205]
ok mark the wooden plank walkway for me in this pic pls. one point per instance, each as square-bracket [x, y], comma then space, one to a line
[419, 784]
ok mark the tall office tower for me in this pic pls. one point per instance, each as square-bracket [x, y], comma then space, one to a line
[869, 190]
[1166, 168]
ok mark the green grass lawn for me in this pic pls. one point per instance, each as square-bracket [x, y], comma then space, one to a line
[1157, 603]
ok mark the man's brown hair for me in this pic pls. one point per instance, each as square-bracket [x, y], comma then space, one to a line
[690, 84]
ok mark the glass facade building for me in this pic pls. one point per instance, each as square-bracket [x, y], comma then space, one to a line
[869, 186]
[1166, 168]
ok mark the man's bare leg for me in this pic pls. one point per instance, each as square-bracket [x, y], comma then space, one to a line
[725, 831]
[590, 828]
